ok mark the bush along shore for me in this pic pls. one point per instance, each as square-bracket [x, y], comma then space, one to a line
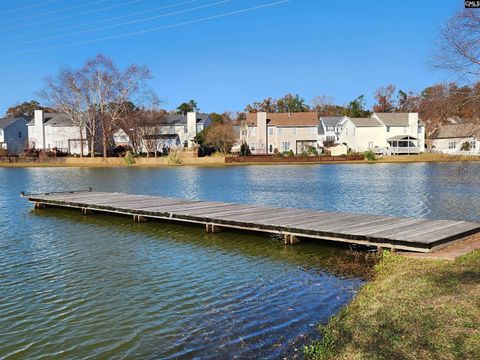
[412, 309]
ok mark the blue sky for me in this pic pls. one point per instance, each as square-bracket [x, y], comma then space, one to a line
[341, 48]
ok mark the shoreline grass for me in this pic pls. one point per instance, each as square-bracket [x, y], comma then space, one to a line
[216, 161]
[412, 309]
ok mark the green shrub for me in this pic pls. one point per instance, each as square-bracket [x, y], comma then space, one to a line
[129, 158]
[245, 149]
[369, 155]
[312, 150]
[465, 146]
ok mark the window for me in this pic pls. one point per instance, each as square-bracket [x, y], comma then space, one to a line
[285, 145]
[253, 131]
[270, 131]
[330, 128]
[59, 144]
[270, 148]
[19, 134]
[244, 132]
[452, 145]
[279, 131]
[473, 144]
[388, 128]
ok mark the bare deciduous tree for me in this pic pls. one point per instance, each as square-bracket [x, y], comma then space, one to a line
[96, 96]
[221, 137]
[458, 47]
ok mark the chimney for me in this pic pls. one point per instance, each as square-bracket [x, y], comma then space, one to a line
[261, 132]
[39, 130]
[191, 126]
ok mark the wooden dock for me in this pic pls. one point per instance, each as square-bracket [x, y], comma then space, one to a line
[419, 235]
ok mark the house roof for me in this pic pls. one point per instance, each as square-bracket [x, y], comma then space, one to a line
[393, 119]
[54, 119]
[402, 137]
[366, 122]
[7, 121]
[286, 119]
[457, 131]
[331, 121]
[181, 119]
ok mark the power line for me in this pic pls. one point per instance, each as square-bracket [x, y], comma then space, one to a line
[67, 17]
[28, 7]
[105, 20]
[133, 33]
[117, 25]
[57, 11]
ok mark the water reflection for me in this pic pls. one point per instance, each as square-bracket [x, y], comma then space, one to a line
[101, 286]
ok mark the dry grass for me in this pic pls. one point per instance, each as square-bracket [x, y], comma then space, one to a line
[426, 157]
[413, 309]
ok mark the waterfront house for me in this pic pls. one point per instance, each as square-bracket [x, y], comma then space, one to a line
[48, 131]
[173, 131]
[363, 134]
[459, 139]
[382, 133]
[404, 132]
[332, 127]
[13, 135]
[266, 133]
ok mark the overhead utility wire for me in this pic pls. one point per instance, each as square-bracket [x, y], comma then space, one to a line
[116, 25]
[139, 32]
[103, 20]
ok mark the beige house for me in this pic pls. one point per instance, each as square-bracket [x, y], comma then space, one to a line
[363, 134]
[266, 133]
[457, 139]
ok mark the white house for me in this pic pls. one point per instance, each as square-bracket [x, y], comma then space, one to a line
[173, 131]
[49, 131]
[382, 133]
[457, 139]
[333, 126]
[404, 132]
[13, 135]
[267, 132]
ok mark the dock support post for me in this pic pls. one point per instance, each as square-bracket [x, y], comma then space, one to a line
[86, 211]
[139, 219]
[212, 228]
[380, 250]
[290, 239]
[39, 205]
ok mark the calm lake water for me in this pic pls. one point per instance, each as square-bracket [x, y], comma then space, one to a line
[100, 286]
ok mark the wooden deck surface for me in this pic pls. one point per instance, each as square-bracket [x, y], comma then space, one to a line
[384, 231]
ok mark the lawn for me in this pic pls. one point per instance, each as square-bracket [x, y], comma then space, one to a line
[412, 309]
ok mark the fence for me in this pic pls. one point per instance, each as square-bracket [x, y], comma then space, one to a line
[290, 159]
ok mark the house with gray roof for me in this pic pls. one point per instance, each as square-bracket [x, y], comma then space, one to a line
[13, 135]
[332, 127]
[404, 132]
[56, 131]
[175, 131]
[457, 139]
